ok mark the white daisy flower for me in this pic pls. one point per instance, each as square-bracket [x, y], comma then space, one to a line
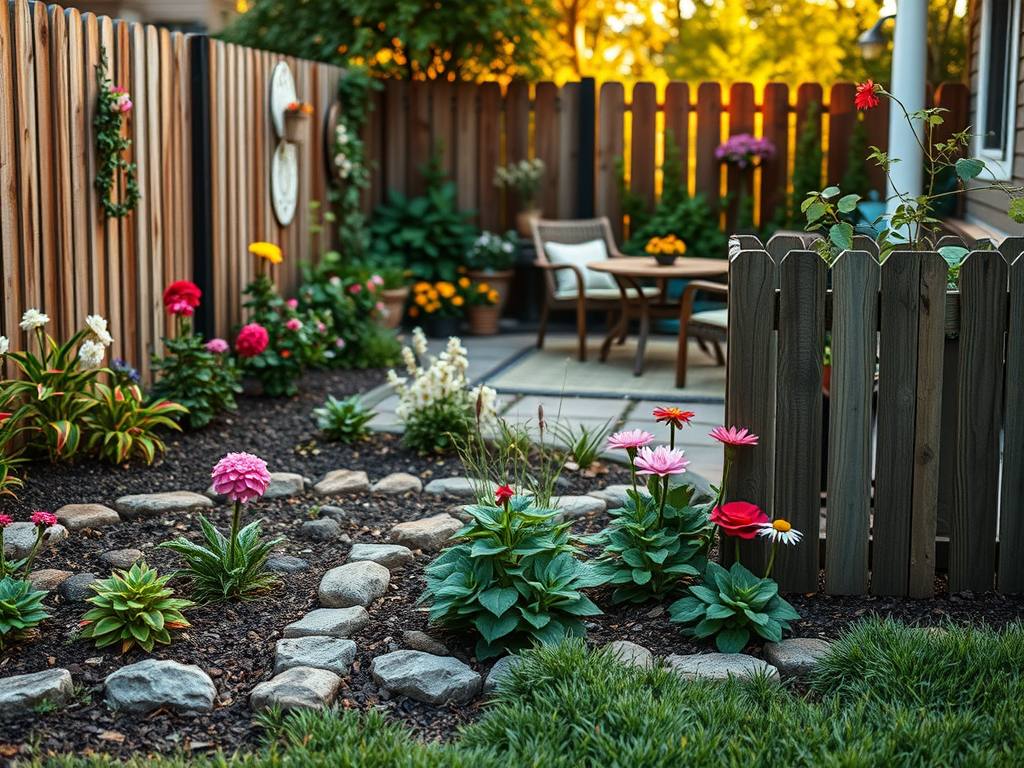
[98, 325]
[780, 531]
[91, 353]
[33, 319]
[5, 344]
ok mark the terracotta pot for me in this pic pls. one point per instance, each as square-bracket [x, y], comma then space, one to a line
[296, 126]
[826, 380]
[483, 321]
[393, 300]
[499, 280]
[523, 222]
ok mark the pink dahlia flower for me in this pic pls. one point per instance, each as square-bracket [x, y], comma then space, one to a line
[294, 324]
[637, 438]
[217, 346]
[293, 303]
[661, 461]
[252, 340]
[5, 521]
[733, 436]
[45, 519]
[241, 477]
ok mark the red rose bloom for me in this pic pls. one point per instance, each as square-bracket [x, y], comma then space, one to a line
[252, 340]
[866, 98]
[503, 494]
[739, 518]
[182, 296]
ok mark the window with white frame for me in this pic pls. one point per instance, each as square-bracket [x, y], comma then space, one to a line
[999, 56]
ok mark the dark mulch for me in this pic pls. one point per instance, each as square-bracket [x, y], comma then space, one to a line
[235, 643]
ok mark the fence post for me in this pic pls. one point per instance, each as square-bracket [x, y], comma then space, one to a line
[588, 158]
[202, 189]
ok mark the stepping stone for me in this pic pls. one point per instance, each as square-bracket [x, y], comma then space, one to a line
[47, 579]
[421, 641]
[425, 677]
[577, 506]
[76, 517]
[429, 534]
[614, 496]
[796, 657]
[19, 538]
[339, 515]
[151, 504]
[77, 588]
[391, 556]
[502, 668]
[287, 564]
[342, 481]
[720, 666]
[23, 693]
[323, 529]
[296, 688]
[453, 486]
[121, 558]
[397, 483]
[354, 584]
[154, 684]
[328, 653]
[630, 653]
[329, 622]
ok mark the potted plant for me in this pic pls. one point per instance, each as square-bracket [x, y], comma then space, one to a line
[524, 178]
[483, 307]
[490, 259]
[438, 307]
[394, 291]
[665, 250]
[296, 121]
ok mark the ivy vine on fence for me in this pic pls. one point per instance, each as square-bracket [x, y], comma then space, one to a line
[112, 108]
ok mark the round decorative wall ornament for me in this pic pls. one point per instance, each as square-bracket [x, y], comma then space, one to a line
[284, 182]
[282, 93]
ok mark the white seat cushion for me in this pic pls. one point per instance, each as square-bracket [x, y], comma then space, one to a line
[611, 294]
[579, 255]
[716, 317]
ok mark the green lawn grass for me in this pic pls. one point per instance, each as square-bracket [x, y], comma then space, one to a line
[887, 695]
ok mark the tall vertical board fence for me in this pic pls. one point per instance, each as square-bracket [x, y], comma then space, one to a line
[892, 326]
[475, 128]
[58, 252]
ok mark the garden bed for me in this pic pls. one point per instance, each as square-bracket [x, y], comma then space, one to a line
[234, 644]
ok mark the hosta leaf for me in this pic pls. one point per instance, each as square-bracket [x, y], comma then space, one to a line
[732, 640]
[969, 167]
[498, 600]
[493, 628]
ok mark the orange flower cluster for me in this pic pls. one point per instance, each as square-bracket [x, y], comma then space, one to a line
[299, 107]
[441, 298]
[667, 244]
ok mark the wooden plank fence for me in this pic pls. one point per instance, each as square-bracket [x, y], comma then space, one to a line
[491, 129]
[57, 252]
[887, 424]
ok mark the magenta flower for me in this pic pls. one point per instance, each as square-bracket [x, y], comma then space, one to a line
[340, 342]
[5, 521]
[217, 346]
[661, 461]
[293, 303]
[45, 519]
[320, 326]
[252, 340]
[733, 436]
[294, 324]
[355, 288]
[637, 438]
[241, 477]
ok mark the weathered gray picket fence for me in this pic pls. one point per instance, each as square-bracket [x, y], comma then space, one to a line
[893, 326]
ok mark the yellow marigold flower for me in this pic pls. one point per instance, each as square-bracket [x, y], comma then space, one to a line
[653, 247]
[447, 290]
[680, 247]
[492, 296]
[464, 282]
[421, 300]
[483, 288]
[413, 311]
[420, 287]
[432, 294]
[458, 301]
[433, 307]
[267, 251]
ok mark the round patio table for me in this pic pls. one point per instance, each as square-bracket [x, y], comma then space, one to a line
[628, 271]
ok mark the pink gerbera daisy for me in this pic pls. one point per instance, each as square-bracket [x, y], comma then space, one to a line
[636, 438]
[660, 461]
[733, 436]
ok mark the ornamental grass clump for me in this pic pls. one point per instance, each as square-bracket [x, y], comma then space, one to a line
[225, 568]
[732, 603]
[659, 538]
[134, 607]
[435, 404]
[514, 579]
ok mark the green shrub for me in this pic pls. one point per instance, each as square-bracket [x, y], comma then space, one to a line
[515, 580]
[195, 376]
[21, 609]
[343, 420]
[584, 443]
[121, 428]
[134, 608]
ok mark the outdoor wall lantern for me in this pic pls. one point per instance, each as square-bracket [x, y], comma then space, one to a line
[872, 42]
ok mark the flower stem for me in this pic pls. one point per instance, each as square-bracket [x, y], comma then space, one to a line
[736, 548]
[40, 530]
[233, 543]
[771, 561]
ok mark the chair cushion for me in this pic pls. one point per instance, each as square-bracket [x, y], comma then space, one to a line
[609, 294]
[578, 255]
[718, 318]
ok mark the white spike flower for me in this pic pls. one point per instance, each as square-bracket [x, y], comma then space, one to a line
[5, 344]
[98, 325]
[91, 353]
[33, 319]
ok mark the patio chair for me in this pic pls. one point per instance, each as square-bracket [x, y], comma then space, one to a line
[563, 249]
[707, 327]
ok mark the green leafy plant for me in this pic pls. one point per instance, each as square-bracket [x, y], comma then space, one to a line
[343, 420]
[112, 105]
[134, 608]
[121, 427]
[729, 605]
[429, 233]
[583, 442]
[21, 609]
[515, 579]
[491, 251]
